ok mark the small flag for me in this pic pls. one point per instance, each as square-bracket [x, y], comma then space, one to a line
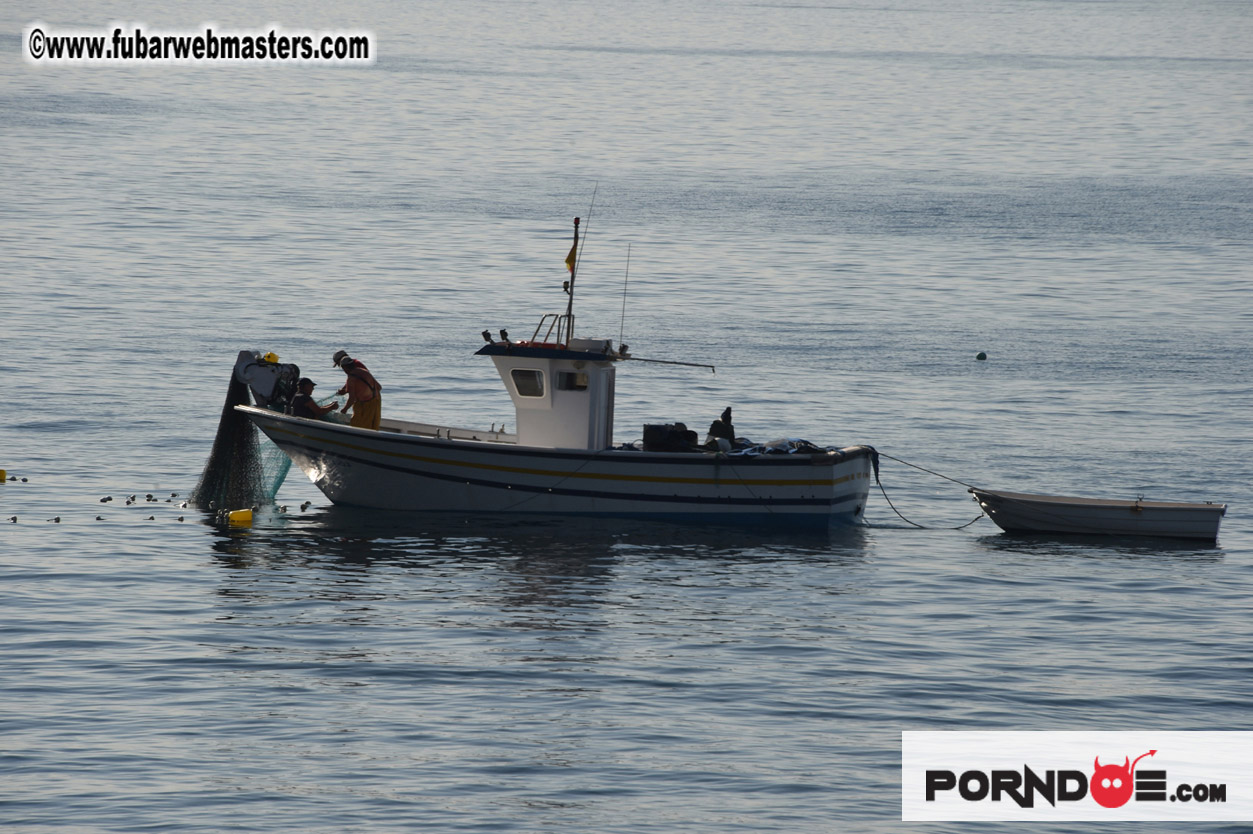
[574, 248]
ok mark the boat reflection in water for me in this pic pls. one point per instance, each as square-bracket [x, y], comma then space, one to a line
[534, 565]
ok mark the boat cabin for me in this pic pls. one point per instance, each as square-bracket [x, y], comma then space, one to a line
[562, 393]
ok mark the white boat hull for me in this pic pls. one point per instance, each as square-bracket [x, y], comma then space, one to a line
[397, 470]
[1022, 512]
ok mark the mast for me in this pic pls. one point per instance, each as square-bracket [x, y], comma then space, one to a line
[572, 264]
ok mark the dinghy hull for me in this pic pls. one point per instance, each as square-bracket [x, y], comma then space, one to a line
[1017, 512]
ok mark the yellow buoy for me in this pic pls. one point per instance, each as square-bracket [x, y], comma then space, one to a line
[239, 517]
[3, 476]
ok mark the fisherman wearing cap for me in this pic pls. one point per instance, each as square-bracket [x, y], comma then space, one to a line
[721, 436]
[302, 405]
[365, 395]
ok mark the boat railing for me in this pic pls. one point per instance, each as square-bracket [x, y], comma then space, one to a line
[438, 432]
[556, 328]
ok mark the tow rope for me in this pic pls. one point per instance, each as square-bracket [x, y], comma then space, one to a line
[929, 472]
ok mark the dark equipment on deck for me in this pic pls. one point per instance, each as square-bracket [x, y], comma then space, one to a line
[669, 437]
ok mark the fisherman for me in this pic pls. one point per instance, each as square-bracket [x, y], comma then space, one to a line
[302, 405]
[365, 395]
[721, 433]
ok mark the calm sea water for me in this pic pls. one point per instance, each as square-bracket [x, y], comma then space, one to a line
[839, 205]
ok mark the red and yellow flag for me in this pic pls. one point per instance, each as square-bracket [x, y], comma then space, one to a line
[574, 248]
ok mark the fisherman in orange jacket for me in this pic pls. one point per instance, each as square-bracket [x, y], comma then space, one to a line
[365, 395]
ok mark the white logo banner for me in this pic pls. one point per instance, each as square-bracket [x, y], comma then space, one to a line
[1062, 775]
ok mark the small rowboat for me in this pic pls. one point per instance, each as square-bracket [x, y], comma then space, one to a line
[1017, 512]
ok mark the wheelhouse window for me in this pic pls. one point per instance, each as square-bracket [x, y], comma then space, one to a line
[569, 381]
[528, 383]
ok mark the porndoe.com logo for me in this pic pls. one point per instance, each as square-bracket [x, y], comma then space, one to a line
[1042, 775]
[1110, 786]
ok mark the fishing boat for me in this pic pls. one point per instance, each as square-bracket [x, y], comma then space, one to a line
[1017, 512]
[562, 458]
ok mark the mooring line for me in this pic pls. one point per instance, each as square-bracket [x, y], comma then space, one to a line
[930, 472]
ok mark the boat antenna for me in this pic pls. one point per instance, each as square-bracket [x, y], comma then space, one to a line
[625, 279]
[572, 264]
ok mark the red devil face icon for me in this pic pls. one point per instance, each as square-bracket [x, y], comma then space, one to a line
[1111, 785]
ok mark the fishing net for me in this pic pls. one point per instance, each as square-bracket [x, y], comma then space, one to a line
[244, 468]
